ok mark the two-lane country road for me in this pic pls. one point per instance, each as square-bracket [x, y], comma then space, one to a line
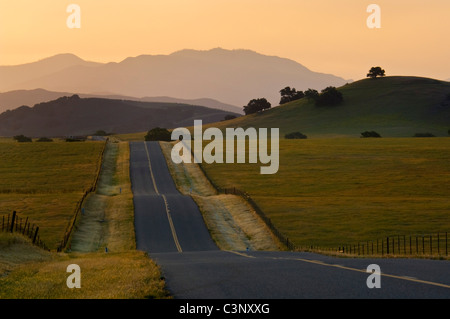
[165, 220]
[170, 228]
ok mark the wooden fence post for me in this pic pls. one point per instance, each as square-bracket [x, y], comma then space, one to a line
[35, 234]
[12, 221]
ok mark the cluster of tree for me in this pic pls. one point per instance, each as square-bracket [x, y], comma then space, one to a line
[158, 134]
[370, 134]
[295, 135]
[257, 105]
[289, 95]
[329, 96]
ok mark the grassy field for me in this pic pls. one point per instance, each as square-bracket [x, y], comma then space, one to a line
[122, 273]
[329, 192]
[44, 181]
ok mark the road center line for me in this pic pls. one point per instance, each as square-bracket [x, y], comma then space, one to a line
[317, 262]
[169, 218]
[172, 227]
[151, 171]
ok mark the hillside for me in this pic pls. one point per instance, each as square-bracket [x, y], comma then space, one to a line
[230, 76]
[14, 99]
[73, 115]
[392, 106]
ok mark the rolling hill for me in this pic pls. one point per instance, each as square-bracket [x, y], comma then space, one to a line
[230, 76]
[14, 99]
[69, 116]
[392, 106]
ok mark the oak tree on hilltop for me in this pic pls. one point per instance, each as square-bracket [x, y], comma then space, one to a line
[376, 71]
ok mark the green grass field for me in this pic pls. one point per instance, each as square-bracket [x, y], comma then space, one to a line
[329, 192]
[44, 181]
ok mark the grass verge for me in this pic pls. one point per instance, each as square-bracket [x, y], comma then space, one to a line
[232, 223]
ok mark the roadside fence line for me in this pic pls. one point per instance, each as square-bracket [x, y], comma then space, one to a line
[15, 224]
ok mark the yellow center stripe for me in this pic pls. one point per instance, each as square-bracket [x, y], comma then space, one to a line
[172, 227]
[352, 269]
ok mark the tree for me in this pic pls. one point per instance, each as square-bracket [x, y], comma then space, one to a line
[256, 105]
[22, 139]
[376, 71]
[158, 134]
[329, 96]
[311, 94]
[289, 95]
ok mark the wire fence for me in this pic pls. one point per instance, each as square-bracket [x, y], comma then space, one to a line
[78, 208]
[432, 245]
[12, 223]
[435, 244]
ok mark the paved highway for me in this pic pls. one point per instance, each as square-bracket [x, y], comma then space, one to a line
[170, 228]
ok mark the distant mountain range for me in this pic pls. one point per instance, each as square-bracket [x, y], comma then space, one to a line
[70, 116]
[230, 76]
[14, 99]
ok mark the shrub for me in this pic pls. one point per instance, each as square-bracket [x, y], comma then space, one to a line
[424, 135]
[23, 139]
[295, 135]
[44, 139]
[158, 134]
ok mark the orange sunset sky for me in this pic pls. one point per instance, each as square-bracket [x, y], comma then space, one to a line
[329, 36]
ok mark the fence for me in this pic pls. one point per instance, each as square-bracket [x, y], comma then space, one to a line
[427, 245]
[278, 234]
[436, 244]
[15, 224]
[234, 191]
[93, 188]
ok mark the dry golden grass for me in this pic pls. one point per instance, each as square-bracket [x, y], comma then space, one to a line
[231, 221]
[45, 181]
[122, 273]
[30, 273]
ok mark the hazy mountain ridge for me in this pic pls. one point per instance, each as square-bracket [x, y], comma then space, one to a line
[73, 115]
[14, 99]
[230, 76]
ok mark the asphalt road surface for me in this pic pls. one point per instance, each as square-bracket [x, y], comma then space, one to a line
[170, 228]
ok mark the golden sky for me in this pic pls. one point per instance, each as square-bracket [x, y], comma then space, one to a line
[329, 36]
